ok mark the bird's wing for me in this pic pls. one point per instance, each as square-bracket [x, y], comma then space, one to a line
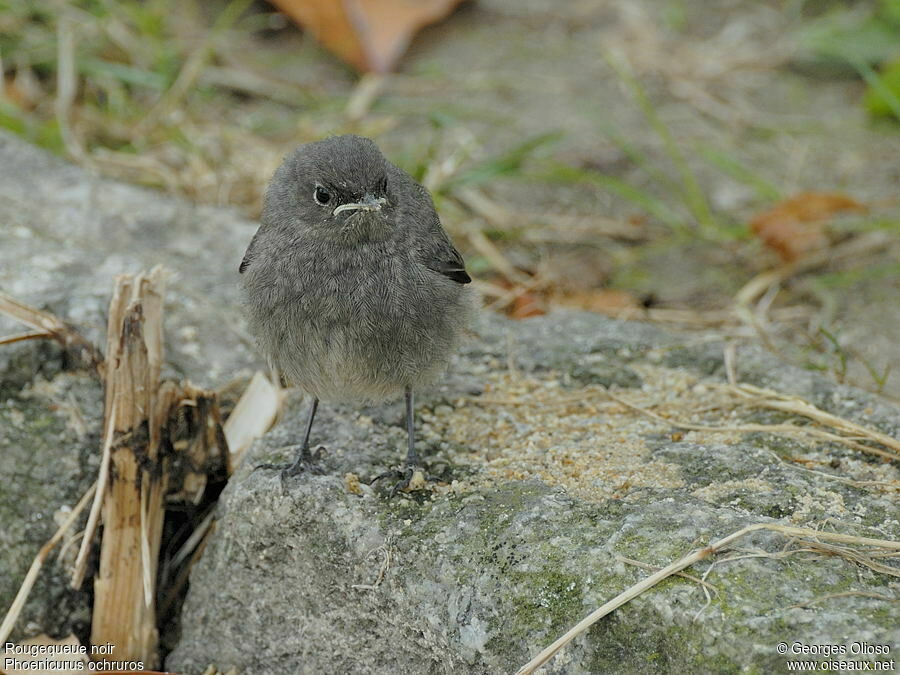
[434, 249]
[443, 258]
[248, 256]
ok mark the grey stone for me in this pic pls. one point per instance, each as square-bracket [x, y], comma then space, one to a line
[604, 373]
[49, 440]
[305, 576]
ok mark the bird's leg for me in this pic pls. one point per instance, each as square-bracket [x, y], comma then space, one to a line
[304, 460]
[304, 457]
[412, 475]
[412, 457]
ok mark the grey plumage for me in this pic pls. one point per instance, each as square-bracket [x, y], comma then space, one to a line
[359, 298]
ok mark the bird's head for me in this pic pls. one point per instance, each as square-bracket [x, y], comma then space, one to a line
[336, 188]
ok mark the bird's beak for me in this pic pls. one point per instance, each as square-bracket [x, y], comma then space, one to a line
[368, 203]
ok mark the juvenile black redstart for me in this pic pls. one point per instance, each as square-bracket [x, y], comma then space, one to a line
[352, 287]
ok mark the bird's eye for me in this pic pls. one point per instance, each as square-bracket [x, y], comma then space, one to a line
[321, 195]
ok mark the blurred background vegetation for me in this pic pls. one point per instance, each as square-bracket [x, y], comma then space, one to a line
[643, 159]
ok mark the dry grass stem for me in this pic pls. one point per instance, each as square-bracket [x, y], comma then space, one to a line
[889, 486]
[849, 554]
[94, 516]
[509, 296]
[573, 229]
[688, 560]
[187, 77]
[786, 428]
[382, 570]
[766, 398]
[729, 357]
[139, 168]
[440, 170]
[255, 84]
[22, 337]
[548, 227]
[46, 324]
[148, 566]
[193, 541]
[718, 317]
[654, 568]
[366, 92]
[481, 205]
[15, 609]
[766, 282]
[175, 589]
[498, 261]
[67, 86]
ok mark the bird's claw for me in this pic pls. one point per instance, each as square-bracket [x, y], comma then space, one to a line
[306, 462]
[411, 478]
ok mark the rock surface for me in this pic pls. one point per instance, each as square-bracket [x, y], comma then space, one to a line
[49, 440]
[554, 488]
[554, 484]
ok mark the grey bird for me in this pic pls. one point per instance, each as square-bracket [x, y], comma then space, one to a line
[352, 287]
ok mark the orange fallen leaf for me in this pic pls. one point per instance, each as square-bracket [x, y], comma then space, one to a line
[370, 35]
[796, 226]
[601, 300]
[15, 94]
[525, 305]
[522, 302]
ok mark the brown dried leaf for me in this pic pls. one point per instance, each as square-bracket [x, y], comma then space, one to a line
[601, 300]
[370, 35]
[796, 226]
[525, 305]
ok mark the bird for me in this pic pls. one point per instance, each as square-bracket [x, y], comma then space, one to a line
[351, 286]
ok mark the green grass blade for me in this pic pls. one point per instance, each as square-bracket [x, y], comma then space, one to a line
[692, 194]
[508, 163]
[875, 81]
[733, 167]
[653, 206]
[124, 73]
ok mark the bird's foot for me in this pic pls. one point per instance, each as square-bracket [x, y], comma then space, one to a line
[410, 478]
[306, 461]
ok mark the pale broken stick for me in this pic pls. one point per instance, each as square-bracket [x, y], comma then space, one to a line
[253, 415]
[124, 612]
